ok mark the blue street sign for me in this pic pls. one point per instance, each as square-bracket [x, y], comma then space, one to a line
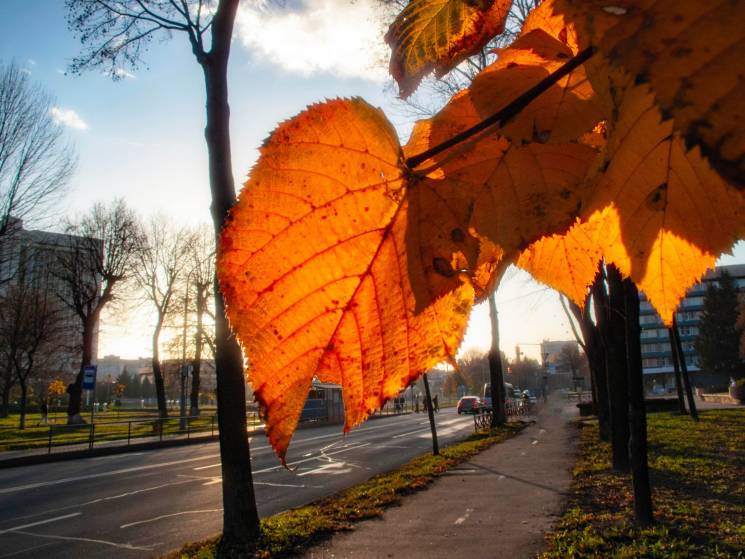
[89, 377]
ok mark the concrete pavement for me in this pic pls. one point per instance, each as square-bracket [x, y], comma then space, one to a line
[498, 504]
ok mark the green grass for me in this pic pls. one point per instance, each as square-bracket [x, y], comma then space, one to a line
[698, 482]
[292, 531]
[109, 426]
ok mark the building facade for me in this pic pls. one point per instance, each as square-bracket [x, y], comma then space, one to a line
[657, 360]
[34, 257]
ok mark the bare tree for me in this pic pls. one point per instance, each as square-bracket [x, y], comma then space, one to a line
[35, 159]
[160, 264]
[116, 33]
[90, 271]
[201, 274]
[31, 330]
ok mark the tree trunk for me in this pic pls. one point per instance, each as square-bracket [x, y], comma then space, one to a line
[240, 516]
[196, 367]
[676, 368]
[684, 371]
[75, 390]
[637, 412]
[22, 418]
[615, 350]
[160, 389]
[596, 359]
[5, 400]
[496, 375]
[431, 413]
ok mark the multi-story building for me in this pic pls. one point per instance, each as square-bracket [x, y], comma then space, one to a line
[33, 257]
[657, 361]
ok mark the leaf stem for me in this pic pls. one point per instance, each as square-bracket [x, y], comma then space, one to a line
[507, 112]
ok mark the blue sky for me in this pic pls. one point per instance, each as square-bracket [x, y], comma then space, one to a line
[142, 138]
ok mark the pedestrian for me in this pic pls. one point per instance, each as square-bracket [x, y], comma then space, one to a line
[416, 403]
[44, 411]
[435, 404]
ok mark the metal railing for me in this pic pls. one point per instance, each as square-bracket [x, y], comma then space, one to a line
[55, 436]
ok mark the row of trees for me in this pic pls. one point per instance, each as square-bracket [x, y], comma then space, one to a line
[109, 257]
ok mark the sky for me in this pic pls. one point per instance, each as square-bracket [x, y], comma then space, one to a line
[141, 138]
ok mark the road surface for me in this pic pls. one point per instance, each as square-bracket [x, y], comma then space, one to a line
[144, 504]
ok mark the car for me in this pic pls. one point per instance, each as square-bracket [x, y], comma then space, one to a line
[469, 404]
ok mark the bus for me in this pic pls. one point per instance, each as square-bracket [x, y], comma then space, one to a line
[509, 391]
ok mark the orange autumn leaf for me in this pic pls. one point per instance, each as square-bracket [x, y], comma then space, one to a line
[658, 212]
[561, 114]
[317, 270]
[517, 192]
[675, 214]
[436, 35]
[690, 53]
[568, 262]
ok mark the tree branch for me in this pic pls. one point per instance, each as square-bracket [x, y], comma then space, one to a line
[512, 109]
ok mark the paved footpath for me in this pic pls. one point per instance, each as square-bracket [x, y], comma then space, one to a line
[498, 504]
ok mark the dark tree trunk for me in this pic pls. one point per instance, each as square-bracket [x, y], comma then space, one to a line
[22, 418]
[596, 359]
[431, 414]
[75, 389]
[5, 400]
[615, 358]
[160, 388]
[496, 375]
[240, 516]
[684, 371]
[637, 412]
[676, 368]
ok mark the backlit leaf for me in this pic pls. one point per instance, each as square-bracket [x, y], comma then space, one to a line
[436, 35]
[659, 212]
[517, 193]
[317, 269]
[561, 114]
[568, 262]
[690, 53]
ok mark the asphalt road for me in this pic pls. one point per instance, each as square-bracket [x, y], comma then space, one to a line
[146, 503]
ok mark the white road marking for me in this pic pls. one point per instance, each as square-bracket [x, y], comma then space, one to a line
[462, 519]
[161, 517]
[291, 464]
[279, 484]
[26, 549]
[410, 433]
[335, 468]
[321, 437]
[89, 540]
[40, 522]
[104, 474]
[535, 442]
[104, 499]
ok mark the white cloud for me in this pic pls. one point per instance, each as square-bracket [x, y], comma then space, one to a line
[336, 37]
[68, 117]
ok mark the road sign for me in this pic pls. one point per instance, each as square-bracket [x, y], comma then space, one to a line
[89, 377]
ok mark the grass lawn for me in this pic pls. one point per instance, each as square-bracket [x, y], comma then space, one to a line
[698, 484]
[290, 532]
[109, 426]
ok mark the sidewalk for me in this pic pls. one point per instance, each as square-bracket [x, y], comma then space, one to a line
[498, 505]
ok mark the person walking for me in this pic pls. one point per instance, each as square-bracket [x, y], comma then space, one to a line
[435, 404]
[44, 411]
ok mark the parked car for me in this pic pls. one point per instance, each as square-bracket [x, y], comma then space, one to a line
[469, 404]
